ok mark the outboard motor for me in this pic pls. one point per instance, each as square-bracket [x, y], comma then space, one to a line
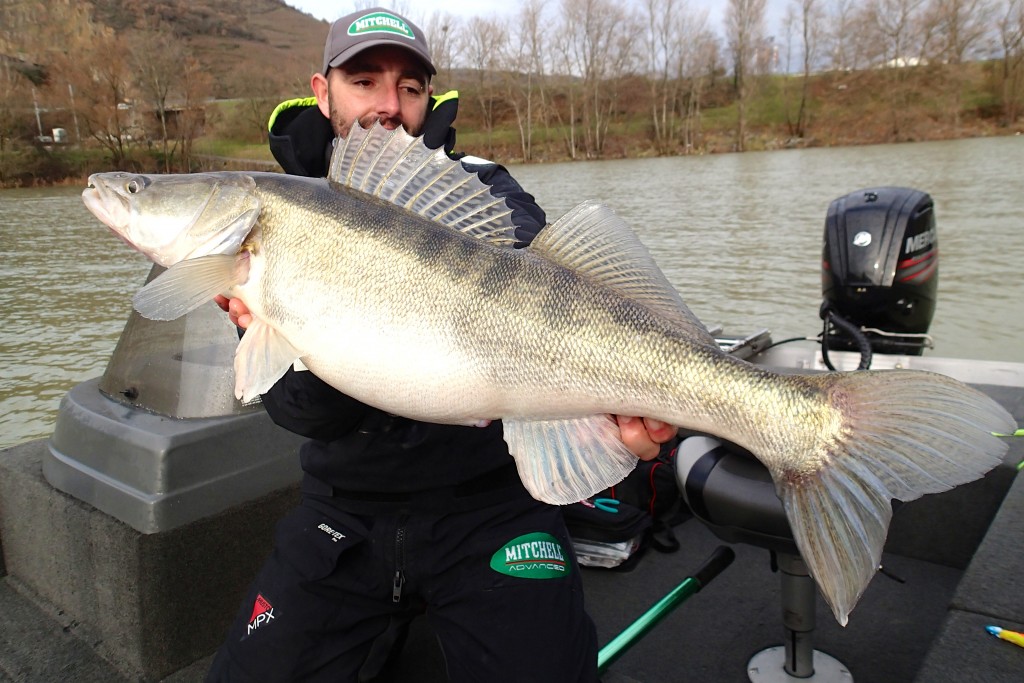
[880, 271]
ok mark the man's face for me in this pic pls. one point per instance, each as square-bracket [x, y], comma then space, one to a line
[386, 84]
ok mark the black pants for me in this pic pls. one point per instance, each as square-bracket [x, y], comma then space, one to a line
[499, 586]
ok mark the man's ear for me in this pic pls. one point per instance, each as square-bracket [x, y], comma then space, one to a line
[319, 84]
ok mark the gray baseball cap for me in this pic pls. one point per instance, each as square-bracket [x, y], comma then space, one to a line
[368, 28]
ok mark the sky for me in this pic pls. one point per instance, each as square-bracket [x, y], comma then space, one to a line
[332, 9]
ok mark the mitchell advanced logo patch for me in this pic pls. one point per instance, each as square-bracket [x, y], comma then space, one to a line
[533, 556]
[262, 614]
[380, 22]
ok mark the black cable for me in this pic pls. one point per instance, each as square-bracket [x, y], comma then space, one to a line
[863, 345]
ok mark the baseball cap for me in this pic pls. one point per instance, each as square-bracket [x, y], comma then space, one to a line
[368, 28]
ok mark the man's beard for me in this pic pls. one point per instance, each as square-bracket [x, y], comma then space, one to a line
[342, 126]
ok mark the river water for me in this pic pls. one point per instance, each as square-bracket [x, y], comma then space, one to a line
[739, 235]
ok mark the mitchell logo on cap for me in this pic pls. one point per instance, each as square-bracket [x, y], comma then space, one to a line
[380, 22]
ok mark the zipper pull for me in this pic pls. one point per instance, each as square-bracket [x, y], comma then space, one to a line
[396, 586]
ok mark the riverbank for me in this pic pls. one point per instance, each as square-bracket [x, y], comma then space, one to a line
[843, 110]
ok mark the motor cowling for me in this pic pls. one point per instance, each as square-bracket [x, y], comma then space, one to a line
[880, 269]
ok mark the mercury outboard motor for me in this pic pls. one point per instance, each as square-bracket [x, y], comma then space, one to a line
[880, 271]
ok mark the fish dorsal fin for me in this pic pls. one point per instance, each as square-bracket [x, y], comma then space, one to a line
[399, 168]
[593, 241]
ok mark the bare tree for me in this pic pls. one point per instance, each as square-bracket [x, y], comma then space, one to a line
[14, 88]
[196, 87]
[595, 51]
[744, 30]
[442, 29]
[485, 41]
[99, 70]
[894, 28]
[955, 29]
[804, 27]
[157, 57]
[675, 48]
[1011, 38]
[702, 61]
[524, 70]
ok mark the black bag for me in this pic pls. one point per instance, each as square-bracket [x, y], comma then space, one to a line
[614, 528]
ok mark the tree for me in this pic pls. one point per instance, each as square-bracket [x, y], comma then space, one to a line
[524, 71]
[196, 87]
[744, 30]
[1011, 38]
[157, 57]
[99, 70]
[804, 28]
[955, 29]
[675, 42]
[485, 41]
[595, 51]
[894, 28]
[442, 29]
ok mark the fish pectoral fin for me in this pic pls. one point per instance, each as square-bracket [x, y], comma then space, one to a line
[566, 461]
[187, 285]
[262, 358]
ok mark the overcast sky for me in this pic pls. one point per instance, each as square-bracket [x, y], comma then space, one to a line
[332, 9]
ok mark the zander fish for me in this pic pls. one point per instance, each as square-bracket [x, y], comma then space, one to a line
[398, 281]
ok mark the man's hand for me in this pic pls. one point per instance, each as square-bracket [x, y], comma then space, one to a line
[237, 311]
[644, 435]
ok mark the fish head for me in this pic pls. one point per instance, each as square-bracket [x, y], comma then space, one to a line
[174, 217]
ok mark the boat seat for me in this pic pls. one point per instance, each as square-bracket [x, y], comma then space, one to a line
[733, 495]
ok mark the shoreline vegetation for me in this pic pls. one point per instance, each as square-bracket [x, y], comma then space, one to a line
[167, 87]
[834, 125]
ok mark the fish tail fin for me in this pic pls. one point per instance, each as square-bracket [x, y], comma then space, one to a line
[904, 434]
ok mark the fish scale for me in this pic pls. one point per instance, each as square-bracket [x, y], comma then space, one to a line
[413, 299]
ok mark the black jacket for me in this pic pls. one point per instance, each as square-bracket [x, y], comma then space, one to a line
[366, 458]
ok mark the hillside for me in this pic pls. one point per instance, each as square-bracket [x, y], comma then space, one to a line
[247, 45]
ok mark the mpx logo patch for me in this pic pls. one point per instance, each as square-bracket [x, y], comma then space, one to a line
[533, 556]
[262, 614]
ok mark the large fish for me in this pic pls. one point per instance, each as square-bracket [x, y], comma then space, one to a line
[397, 281]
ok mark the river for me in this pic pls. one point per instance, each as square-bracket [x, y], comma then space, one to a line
[739, 235]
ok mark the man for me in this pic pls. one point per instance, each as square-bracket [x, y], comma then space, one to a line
[399, 517]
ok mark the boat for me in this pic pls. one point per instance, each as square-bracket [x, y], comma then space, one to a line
[129, 569]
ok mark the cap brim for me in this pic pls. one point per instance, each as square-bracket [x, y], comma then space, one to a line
[348, 54]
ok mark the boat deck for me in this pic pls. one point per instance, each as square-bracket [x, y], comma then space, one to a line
[956, 558]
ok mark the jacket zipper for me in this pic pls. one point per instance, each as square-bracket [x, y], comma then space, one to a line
[399, 579]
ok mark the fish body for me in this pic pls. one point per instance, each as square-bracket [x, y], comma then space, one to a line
[398, 281]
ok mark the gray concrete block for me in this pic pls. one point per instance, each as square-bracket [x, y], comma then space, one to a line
[153, 603]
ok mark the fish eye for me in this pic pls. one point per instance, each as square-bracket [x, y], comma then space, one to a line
[133, 186]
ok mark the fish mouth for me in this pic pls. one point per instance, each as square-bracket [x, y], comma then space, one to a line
[107, 205]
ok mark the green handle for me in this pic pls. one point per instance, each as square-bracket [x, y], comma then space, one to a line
[719, 560]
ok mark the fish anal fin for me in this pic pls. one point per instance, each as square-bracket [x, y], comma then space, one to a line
[565, 461]
[597, 244]
[187, 285]
[262, 357]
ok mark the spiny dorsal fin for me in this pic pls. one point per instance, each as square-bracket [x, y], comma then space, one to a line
[596, 243]
[398, 168]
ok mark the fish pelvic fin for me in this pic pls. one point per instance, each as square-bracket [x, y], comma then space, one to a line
[262, 357]
[401, 169]
[904, 434]
[593, 241]
[189, 284]
[564, 461]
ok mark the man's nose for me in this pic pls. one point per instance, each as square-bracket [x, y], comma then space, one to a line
[388, 105]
